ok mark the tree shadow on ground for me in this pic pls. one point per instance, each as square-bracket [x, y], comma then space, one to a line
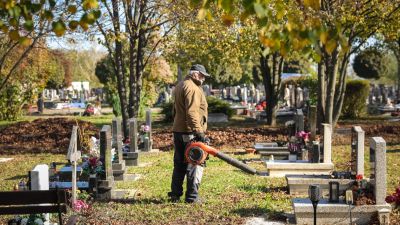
[260, 212]
[18, 177]
[393, 151]
[154, 201]
[265, 189]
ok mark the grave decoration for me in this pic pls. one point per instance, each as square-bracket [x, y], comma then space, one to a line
[394, 199]
[359, 202]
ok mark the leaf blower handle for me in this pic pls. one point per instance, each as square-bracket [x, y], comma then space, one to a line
[197, 152]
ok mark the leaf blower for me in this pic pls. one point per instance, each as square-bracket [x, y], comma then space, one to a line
[197, 152]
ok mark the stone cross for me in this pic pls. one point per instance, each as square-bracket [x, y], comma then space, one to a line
[377, 160]
[327, 142]
[312, 121]
[357, 150]
[149, 144]
[105, 151]
[299, 120]
[131, 157]
[117, 138]
[73, 156]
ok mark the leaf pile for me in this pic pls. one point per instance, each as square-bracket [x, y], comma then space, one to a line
[228, 138]
[44, 136]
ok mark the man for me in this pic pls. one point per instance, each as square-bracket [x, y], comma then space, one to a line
[190, 124]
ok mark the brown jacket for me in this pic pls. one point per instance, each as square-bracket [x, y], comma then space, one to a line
[190, 107]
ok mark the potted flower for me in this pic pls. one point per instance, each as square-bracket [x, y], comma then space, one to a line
[394, 199]
[294, 148]
[92, 167]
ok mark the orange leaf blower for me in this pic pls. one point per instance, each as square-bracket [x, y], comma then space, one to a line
[197, 152]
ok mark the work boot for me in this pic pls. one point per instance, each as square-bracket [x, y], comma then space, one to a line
[174, 199]
[199, 201]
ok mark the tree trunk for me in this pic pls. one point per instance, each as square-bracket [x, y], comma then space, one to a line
[341, 90]
[40, 103]
[119, 70]
[272, 82]
[321, 96]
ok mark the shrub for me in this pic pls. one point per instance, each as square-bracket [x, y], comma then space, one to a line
[354, 104]
[167, 111]
[214, 106]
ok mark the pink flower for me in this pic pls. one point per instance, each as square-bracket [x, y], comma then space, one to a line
[390, 199]
[79, 205]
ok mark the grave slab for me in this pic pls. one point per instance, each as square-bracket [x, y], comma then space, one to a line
[281, 168]
[298, 184]
[334, 213]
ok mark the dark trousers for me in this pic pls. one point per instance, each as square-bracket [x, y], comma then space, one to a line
[182, 169]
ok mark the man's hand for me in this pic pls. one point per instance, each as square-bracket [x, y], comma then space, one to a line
[200, 136]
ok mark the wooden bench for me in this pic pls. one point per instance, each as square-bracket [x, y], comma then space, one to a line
[27, 202]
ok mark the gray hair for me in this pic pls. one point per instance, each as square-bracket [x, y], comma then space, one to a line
[191, 72]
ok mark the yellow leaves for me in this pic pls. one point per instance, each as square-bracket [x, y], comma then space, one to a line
[314, 4]
[73, 24]
[13, 35]
[25, 41]
[227, 19]
[204, 13]
[323, 37]
[90, 4]
[266, 41]
[59, 28]
[72, 9]
[330, 46]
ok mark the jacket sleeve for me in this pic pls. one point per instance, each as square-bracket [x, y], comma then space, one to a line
[192, 103]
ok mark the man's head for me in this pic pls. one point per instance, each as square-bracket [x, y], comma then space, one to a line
[198, 73]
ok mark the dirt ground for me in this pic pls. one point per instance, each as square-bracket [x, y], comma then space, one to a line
[52, 135]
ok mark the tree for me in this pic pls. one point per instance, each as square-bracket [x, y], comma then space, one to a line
[147, 23]
[329, 31]
[370, 64]
[24, 23]
[28, 80]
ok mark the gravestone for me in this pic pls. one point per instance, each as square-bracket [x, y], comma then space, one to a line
[39, 180]
[315, 154]
[131, 158]
[327, 143]
[312, 121]
[357, 150]
[257, 96]
[377, 161]
[118, 166]
[73, 157]
[149, 141]
[299, 120]
[106, 182]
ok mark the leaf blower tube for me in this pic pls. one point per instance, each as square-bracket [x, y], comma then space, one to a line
[196, 153]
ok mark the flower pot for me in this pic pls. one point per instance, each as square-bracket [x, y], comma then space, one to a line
[292, 157]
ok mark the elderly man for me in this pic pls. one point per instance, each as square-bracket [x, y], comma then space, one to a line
[190, 124]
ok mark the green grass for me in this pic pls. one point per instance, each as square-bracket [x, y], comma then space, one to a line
[231, 195]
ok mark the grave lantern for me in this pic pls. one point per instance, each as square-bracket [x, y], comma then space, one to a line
[314, 194]
[333, 191]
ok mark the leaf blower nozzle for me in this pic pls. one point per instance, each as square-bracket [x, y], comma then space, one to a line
[197, 152]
